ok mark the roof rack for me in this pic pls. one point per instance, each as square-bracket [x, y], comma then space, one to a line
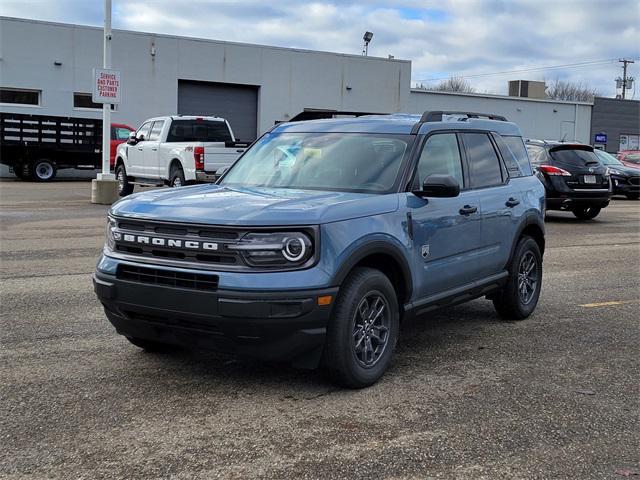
[436, 116]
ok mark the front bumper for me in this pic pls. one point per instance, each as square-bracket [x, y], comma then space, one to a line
[277, 326]
[624, 185]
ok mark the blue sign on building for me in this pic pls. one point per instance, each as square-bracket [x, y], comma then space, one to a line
[601, 138]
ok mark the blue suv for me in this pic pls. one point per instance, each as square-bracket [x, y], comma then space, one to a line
[325, 235]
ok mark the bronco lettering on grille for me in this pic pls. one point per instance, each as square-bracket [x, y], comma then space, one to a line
[169, 242]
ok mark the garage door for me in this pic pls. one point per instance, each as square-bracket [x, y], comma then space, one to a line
[237, 103]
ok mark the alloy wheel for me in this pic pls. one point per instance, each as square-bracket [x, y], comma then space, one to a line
[371, 329]
[527, 277]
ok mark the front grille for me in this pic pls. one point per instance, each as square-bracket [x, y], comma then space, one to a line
[170, 278]
[191, 324]
[210, 245]
[634, 180]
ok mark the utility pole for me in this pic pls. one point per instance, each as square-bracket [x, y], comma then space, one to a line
[624, 81]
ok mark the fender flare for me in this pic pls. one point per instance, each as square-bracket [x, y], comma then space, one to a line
[531, 218]
[375, 247]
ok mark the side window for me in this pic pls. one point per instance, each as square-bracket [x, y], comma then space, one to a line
[516, 145]
[440, 156]
[119, 133]
[483, 161]
[143, 131]
[537, 155]
[154, 134]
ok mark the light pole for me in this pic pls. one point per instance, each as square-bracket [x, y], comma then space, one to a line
[104, 188]
[106, 107]
[367, 38]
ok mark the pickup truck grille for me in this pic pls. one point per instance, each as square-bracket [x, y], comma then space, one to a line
[176, 243]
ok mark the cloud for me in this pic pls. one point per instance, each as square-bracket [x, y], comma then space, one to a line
[459, 37]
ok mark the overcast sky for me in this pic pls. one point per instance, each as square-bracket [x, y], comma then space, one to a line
[471, 38]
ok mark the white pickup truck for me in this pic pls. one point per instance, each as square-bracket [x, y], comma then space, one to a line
[176, 151]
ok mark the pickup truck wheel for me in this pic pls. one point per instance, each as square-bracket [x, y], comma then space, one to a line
[586, 213]
[44, 170]
[151, 346]
[518, 299]
[177, 177]
[124, 187]
[363, 330]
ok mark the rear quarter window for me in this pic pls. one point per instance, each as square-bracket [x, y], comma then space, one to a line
[516, 153]
[537, 155]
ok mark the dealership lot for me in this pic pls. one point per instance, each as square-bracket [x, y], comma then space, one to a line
[468, 395]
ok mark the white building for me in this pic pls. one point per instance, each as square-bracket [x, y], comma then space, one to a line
[46, 68]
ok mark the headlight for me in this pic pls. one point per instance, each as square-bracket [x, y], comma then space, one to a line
[111, 235]
[613, 171]
[275, 249]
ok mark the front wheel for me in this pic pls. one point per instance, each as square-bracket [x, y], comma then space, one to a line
[519, 297]
[586, 213]
[124, 187]
[44, 170]
[363, 330]
[176, 179]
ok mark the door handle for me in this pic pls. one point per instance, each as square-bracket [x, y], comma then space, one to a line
[468, 210]
[154, 149]
[140, 148]
[512, 202]
[240, 150]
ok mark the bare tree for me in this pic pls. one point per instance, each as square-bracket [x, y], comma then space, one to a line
[454, 84]
[570, 91]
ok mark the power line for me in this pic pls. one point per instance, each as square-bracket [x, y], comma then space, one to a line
[524, 70]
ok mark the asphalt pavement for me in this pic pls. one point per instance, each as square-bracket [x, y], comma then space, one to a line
[468, 395]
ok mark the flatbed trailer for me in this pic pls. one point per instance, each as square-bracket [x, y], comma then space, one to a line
[37, 146]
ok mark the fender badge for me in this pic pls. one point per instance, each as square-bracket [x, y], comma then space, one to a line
[425, 250]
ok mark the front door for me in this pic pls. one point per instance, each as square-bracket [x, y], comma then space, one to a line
[135, 153]
[446, 231]
[150, 151]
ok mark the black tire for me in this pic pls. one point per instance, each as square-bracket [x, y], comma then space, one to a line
[586, 213]
[633, 196]
[151, 346]
[22, 171]
[43, 170]
[350, 342]
[124, 187]
[510, 302]
[176, 179]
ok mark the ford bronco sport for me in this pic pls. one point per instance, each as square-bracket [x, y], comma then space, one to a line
[324, 235]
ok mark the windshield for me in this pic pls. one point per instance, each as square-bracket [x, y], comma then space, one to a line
[606, 158]
[351, 162]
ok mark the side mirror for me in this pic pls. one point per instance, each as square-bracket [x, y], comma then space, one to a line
[132, 139]
[439, 186]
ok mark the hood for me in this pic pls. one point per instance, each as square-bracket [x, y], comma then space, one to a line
[221, 205]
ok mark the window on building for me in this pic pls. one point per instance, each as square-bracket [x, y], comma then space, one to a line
[483, 161]
[18, 96]
[83, 100]
[441, 156]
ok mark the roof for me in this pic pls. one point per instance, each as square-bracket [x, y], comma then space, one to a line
[399, 123]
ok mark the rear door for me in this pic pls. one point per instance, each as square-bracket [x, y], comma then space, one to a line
[446, 231]
[500, 201]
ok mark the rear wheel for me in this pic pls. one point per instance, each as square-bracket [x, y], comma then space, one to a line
[44, 170]
[21, 170]
[519, 297]
[363, 330]
[151, 346]
[586, 213]
[633, 196]
[176, 179]
[124, 187]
